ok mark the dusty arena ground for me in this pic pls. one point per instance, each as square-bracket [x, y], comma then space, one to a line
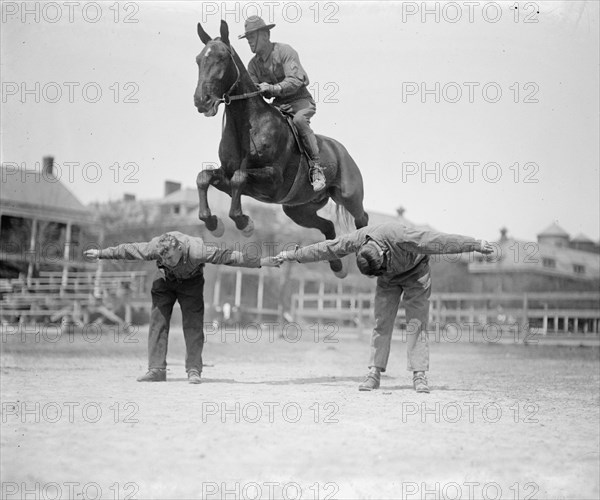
[277, 419]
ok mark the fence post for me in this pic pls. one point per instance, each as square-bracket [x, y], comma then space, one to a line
[525, 309]
[358, 307]
[97, 278]
[293, 305]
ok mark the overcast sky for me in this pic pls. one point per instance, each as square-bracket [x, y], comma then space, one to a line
[520, 164]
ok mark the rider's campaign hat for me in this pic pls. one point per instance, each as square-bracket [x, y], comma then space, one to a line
[255, 23]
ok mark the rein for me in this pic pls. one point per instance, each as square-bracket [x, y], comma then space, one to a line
[227, 98]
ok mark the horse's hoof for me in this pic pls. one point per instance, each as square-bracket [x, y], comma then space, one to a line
[339, 268]
[249, 229]
[342, 274]
[220, 229]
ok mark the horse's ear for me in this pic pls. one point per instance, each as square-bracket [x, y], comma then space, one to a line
[204, 36]
[224, 32]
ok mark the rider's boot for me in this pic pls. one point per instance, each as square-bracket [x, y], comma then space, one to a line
[317, 177]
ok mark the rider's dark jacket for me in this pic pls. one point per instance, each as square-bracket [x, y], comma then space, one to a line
[282, 66]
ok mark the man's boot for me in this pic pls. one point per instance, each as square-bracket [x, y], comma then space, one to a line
[371, 381]
[317, 177]
[154, 375]
[194, 376]
[420, 382]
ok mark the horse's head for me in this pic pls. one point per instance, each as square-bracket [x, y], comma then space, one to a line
[217, 71]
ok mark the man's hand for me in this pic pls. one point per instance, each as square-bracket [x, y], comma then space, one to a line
[286, 256]
[92, 254]
[265, 87]
[269, 262]
[486, 248]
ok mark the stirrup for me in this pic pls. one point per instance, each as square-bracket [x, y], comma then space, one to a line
[317, 177]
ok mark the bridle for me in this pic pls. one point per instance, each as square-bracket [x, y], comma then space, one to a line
[227, 97]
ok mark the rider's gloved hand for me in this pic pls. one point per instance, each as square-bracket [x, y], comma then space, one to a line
[269, 90]
[265, 87]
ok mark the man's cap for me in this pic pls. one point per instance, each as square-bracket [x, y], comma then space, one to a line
[369, 259]
[255, 23]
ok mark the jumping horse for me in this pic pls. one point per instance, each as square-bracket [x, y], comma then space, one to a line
[259, 154]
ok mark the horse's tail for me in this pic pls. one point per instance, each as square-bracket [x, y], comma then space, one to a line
[343, 218]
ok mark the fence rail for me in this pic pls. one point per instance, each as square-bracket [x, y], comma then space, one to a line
[574, 312]
[74, 296]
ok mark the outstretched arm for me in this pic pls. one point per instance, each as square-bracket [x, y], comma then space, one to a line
[433, 242]
[326, 250]
[130, 251]
[212, 254]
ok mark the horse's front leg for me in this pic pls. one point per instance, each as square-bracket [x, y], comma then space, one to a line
[203, 181]
[238, 182]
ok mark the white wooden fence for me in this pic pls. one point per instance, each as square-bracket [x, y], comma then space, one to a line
[576, 312]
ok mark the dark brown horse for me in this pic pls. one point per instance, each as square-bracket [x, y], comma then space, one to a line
[259, 155]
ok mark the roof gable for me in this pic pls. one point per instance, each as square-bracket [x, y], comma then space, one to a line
[554, 230]
[32, 189]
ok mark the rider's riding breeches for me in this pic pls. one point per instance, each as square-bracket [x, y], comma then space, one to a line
[304, 110]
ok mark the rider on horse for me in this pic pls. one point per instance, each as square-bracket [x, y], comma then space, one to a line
[277, 71]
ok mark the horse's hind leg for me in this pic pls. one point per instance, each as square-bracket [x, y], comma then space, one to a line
[350, 192]
[306, 216]
[354, 204]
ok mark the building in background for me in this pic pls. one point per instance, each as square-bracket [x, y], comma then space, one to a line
[44, 227]
[553, 263]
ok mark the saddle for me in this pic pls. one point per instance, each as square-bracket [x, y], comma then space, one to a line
[289, 117]
[304, 166]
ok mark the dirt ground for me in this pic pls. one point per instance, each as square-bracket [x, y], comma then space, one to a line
[281, 419]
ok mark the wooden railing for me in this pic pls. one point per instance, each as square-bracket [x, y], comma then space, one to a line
[574, 312]
[562, 312]
[56, 296]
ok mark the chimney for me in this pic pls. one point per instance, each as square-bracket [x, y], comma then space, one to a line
[128, 197]
[171, 187]
[503, 232]
[48, 166]
[400, 211]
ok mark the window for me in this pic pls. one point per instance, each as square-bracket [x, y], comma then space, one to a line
[16, 234]
[547, 262]
[578, 268]
[51, 237]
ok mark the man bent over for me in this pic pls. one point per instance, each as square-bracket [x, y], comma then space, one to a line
[399, 257]
[180, 277]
